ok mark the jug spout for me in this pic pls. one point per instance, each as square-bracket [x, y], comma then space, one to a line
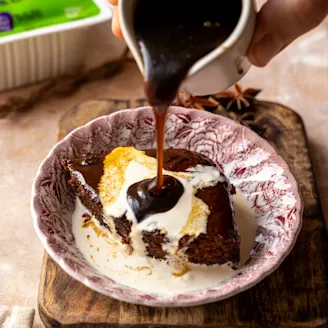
[216, 71]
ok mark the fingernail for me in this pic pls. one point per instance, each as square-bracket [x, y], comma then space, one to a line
[265, 49]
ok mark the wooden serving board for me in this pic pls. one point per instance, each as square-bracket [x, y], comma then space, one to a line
[295, 295]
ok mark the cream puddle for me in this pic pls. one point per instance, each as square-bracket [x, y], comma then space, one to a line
[109, 257]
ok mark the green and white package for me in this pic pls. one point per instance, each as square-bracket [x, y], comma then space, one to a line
[18, 16]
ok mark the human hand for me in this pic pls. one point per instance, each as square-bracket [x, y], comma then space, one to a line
[279, 23]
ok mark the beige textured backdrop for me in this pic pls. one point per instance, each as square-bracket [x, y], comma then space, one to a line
[297, 78]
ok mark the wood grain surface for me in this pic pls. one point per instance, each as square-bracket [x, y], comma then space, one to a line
[295, 295]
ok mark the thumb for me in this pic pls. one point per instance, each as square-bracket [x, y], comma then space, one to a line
[280, 22]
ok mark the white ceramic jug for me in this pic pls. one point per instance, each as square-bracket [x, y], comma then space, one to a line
[219, 69]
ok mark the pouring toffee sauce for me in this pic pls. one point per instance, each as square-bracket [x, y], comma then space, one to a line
[173, 35]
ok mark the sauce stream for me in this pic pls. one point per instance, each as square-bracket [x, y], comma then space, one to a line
[172, 36]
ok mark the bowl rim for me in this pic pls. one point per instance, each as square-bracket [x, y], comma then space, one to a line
[279, 258]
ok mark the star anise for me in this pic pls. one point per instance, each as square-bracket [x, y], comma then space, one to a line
[237, 99]
[187, 100]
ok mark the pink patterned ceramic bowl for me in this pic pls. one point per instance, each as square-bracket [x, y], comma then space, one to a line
[250, 163]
